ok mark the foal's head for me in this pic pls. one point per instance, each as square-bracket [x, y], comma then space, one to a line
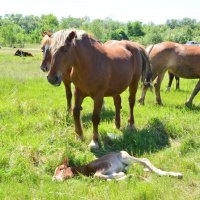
[63, 171]
[46, 60]
[61, 59]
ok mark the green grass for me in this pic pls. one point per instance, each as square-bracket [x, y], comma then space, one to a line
[36, 133]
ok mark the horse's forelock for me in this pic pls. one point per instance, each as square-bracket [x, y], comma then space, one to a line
[58, 38]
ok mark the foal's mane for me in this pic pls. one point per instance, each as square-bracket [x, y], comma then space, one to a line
[59, 37]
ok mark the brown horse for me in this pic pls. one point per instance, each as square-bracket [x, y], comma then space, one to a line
[47, 38]
[99, 70]
[182, 60]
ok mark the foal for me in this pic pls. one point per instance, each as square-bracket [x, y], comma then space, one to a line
[110, 166]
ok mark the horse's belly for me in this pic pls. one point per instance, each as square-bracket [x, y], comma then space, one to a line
[187, 72]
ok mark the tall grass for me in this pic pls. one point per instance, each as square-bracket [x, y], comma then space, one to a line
[36, 133]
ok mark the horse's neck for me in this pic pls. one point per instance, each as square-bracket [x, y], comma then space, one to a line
[81, 170]
[85, 58]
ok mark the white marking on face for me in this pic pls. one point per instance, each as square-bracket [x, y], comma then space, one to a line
[46, 47]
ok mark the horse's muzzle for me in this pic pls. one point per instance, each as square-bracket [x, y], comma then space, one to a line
[54, 80]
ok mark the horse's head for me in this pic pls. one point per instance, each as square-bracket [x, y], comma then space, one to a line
[61, 60]
[45, 44]
[63, 171]
[18, 53]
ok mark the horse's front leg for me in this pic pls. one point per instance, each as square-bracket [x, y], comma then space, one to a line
[68, 92]
[98, 101]
[117, 102]
[78, 98]
[194, 93]
[157, 87]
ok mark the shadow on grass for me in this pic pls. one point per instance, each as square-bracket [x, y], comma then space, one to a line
[137, 142]
[106, 115]
[188, 108]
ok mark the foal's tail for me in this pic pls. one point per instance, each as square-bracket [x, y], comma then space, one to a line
[146, 68]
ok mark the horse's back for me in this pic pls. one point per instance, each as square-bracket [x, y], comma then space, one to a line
[180, 59]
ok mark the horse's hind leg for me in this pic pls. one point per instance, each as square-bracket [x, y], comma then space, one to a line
[171, 77]
[132, 94]
[194, 93]
[98, 101]
[144, 91]
[177, 82]
[117, 102]
[78, 97]
[157, 87]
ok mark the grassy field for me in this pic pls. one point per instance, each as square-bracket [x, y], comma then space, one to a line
[36, 133]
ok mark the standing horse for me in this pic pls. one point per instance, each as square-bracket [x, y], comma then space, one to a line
[180, 59]
[99, 70]
[47, 38]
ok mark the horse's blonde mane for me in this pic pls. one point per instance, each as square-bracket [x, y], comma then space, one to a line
[59, 37]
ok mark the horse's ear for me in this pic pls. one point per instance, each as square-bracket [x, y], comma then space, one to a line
[46, 33]
[70, 37]
[65, 161]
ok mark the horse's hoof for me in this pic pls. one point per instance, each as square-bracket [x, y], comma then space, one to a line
[141, 101]
[188, 103]
[94, 145]
[131, 127]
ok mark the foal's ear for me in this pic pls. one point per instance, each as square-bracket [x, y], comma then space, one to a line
[65, 161]
[70, 37]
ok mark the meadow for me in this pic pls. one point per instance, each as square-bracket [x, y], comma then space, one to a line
[36, 133]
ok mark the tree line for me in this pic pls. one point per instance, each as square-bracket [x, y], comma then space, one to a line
[16, 29]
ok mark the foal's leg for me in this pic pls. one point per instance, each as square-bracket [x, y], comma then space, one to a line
[78, 97]
[194, 93]
[127, 159]
[116, 176]
[117, 102]
[98, 101]
[157, 87]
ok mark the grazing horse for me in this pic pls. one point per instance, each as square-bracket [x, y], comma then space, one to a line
[97, 71]
[22, 53]
[110, 166]
[181, 60]
[47, 38]
[171, 77]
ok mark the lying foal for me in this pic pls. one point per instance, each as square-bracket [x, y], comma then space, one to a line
[110, 166]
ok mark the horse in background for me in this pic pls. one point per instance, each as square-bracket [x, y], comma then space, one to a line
[181, 60]
[47, 38]
[22, 53]
[99, 71]
[171, 77]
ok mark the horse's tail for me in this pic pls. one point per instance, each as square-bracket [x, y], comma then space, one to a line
[146, 77]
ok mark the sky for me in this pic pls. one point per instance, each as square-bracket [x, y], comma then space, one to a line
[146, 11]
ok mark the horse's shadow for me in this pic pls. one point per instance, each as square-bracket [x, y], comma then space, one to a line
[137, 142]
[106, 115]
